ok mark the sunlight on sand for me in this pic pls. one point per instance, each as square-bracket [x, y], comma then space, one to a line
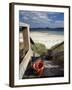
[45, 38]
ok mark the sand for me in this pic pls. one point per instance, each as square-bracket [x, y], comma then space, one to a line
[45, 38]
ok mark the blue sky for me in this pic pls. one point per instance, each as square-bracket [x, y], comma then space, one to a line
[42, 19]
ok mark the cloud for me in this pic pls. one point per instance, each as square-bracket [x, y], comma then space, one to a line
[53, 16]
[41, 19]
[52, 13]
[59, 23]
[56, 24]
[25, 18]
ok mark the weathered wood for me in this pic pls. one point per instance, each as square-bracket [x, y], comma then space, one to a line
[27, 52]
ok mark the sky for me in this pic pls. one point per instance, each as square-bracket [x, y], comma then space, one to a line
[42, 19]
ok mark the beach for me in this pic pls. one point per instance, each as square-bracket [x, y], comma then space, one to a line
[49, 38]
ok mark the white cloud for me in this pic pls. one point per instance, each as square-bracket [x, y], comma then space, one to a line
[43, 19]
[40, 17]
[24, 17]
[59, 23]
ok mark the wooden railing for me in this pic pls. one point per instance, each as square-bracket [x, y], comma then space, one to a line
[24, 63]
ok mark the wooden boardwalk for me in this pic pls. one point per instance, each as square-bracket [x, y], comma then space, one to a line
[51, 70]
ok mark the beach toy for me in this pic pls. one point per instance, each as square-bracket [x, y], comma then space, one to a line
[38, 66]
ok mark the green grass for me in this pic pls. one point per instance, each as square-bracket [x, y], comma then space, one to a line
[39, 48]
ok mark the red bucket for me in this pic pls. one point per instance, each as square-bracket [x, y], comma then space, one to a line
[38, 66]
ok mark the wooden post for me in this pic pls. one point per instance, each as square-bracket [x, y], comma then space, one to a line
[25, 39]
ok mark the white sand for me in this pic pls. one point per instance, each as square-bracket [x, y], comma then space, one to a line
[45, 38]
